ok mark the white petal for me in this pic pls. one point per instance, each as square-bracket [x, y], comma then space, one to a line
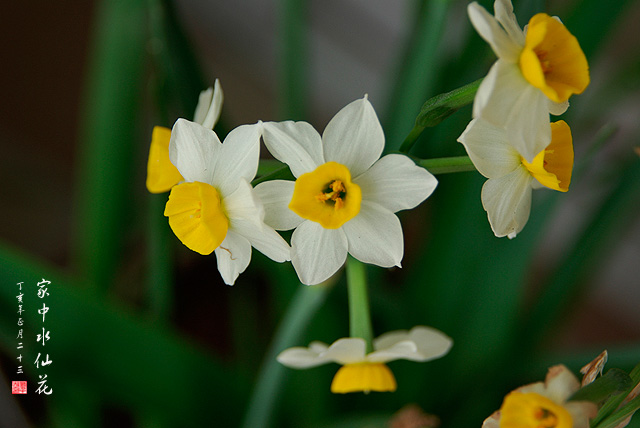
[264, 239]
[375, 236]
[560, 383]
[504, 15]
[582, 411]
[557, 109]
[204, 102]
[507, 201]
[194, 150]
[488, 148]
[507, 100]
[354, 137]
[316, 252]
[276, 196]
[405, 349]
[295, 143]
[396, 183]
[492, 421]
[244, 204]
[233, 255]
[239, 158]
[429, 343]
[347, 351]
[303, 358]
[489, 29]
[214, 109]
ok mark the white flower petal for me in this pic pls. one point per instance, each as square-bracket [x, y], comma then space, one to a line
[354, 137]
[375, 236]
[276, 196]
[405, 349]
[488, 148]
[239, 158]
[429, 343]
[347, 351]
[244, 204]
[582, 411]
[557, 109]
[396, 183]
[316, 252]
[560, 383]
[215, 107]
[504, 15]
[492, 421]
[264, 239]
[204, 102]
[304, 358]
[194, 150]
[233, 255]
[489, 29]
[507, 201]
[507, 100]
[297, 144]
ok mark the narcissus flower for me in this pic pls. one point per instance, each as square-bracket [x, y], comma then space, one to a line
[162, 175]
[506, 195]
[535, 74]
[345, 197]
[544, 405]
[368, 372]
[215, 208]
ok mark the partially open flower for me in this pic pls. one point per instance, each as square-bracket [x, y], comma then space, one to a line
[367, 372]
[544, 405]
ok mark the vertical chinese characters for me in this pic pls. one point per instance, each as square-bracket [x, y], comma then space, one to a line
[43, 359]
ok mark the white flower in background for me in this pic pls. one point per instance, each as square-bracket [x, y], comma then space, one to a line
[535, 74]
[363, 371]
[345, 197]
[216, 209]
[506, 195]
[544, 404]
[162, 175]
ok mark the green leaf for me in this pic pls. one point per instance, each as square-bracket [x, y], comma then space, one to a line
[438, 108]
[612, 382]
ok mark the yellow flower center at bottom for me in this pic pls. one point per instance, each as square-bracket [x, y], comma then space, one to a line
[552, 167]
[327, 196]
[363, 377]
[196, 216]
[532, 410]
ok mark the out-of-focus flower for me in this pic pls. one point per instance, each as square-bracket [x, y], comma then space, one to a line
[535, 74]
[345, 197]
[162, 175]
[216, 209]
[368, 372]
[506, 195]
[544, 405]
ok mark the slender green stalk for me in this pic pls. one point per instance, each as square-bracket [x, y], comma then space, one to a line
[293, 61]
[359, 313]
[411, 139]
[301, 310]
[447, 165]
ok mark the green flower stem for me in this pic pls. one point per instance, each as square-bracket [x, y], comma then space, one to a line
[447, 165]
[293, 26]
[411, 139]
[282, 173]
[300, 311]
[359, 314]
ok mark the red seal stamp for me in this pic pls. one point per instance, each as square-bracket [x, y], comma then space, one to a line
[19, 387]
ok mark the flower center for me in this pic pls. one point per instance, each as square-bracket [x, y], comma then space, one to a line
[552, 167]
[363, 377]
[326, 196]
[196, 216]
[552, 60]
[532, 410]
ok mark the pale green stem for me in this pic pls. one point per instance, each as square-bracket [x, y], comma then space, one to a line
[359, 314]
[447, 165]
[300, 311]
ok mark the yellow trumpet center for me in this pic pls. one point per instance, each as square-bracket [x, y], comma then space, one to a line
[552, 59]
[326, 196]
[363, 377]
[552, 167]
[196, 216]
[531, 410]
[161, 174]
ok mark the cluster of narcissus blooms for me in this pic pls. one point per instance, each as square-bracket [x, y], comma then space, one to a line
[544, 405]
[366, 371]
[342, 202]
[511, 140]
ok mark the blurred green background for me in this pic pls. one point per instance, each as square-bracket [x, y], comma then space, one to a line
[144, 333]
